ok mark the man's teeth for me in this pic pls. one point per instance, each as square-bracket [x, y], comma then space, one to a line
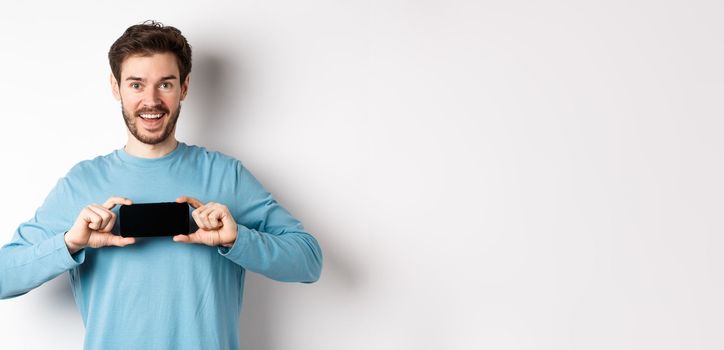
[151, 116]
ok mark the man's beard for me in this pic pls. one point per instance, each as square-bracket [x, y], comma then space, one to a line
[150, 140]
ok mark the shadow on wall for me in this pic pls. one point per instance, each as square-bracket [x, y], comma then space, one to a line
[208, 85]
[219, 100]
[261, 312]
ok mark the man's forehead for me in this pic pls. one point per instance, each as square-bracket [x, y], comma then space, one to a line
[158, 66]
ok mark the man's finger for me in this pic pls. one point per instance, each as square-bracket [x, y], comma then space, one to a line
[181, 238]
[214, 219]
[105, 215]
[190, 238]
[195, 203]
[113, 201]
[203, 215]
[199, 222]
[92, 219]
[119, 241]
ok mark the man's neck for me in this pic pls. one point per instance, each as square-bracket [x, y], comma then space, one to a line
[139, 149]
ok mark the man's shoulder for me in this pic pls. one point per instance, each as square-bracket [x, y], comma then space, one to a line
[204, 155]
[91, 165]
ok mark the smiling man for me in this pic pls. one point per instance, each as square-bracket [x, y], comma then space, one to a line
[157, 123]
[180, 292]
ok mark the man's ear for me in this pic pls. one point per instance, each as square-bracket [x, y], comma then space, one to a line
[115, 88]
[185, 87]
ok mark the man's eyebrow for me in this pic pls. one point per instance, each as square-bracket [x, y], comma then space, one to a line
[168, 77]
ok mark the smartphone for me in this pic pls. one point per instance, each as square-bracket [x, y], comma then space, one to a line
[154, 219]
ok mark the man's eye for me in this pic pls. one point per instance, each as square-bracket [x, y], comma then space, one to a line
[135, 85]
[165, 85]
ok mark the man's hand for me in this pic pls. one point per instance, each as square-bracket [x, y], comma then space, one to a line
[216, 225]
[93, 227]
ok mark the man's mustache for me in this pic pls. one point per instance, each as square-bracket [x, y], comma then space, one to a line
[153, 110]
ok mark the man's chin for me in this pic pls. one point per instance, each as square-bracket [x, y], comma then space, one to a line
[152, 138]
[153, 141]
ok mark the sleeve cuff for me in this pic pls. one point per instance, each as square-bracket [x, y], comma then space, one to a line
[70, 260]
[242, 234]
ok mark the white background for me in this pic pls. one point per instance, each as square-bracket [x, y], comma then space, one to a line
[480, 174]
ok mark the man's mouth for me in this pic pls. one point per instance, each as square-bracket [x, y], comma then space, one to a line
[152, 120]
[151, 116]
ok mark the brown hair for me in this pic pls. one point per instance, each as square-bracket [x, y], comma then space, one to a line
[148, 38]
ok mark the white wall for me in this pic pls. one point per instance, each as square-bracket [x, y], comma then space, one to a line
[480, 174]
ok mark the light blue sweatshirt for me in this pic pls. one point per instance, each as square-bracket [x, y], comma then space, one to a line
[157, 293]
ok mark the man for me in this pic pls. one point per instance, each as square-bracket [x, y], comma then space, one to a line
[157, 293]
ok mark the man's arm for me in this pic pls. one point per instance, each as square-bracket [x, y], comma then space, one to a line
[260, 235]
[37, 252]
[292, 256]
[41, 249]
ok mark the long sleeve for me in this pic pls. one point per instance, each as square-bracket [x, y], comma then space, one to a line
[37, 251]
[137, 288]
[270, 240]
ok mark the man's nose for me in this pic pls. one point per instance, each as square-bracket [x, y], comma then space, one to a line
[150, 97]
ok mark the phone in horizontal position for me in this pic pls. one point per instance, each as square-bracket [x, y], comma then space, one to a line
[154, 219]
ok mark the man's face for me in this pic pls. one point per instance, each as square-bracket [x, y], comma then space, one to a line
[150, 93]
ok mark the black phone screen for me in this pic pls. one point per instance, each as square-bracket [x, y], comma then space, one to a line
[154, 219]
